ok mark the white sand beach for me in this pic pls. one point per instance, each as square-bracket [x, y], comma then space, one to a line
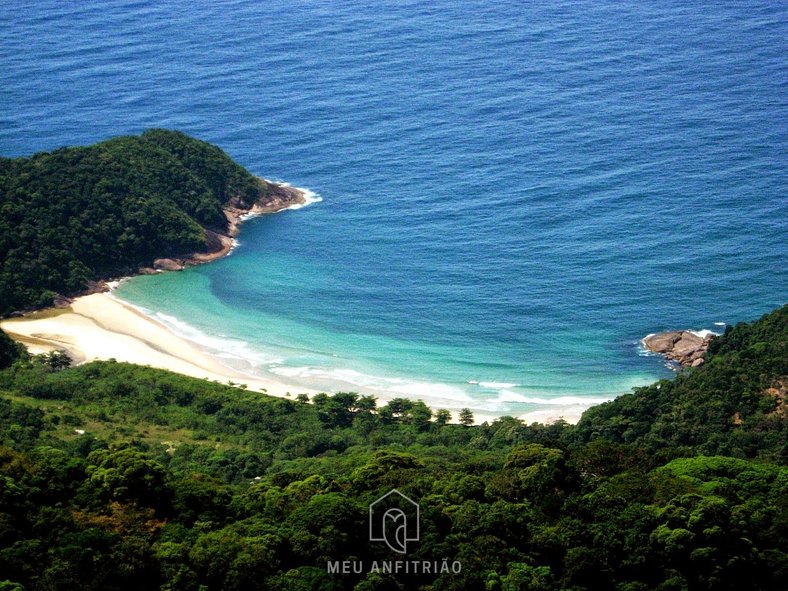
[98, 326]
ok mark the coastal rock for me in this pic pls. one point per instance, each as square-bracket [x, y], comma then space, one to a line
[687, 345]
[275, 197]
[60, 301]
[661, 342]
[167, 265]
[280, 197]
[680, 346]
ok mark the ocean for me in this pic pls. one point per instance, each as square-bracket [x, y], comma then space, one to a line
[511, 195]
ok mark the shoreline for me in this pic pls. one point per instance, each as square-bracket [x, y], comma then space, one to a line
[281, 197]
[96, 325]
[101, 327]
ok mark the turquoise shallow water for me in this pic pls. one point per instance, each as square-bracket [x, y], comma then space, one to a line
[512, 196]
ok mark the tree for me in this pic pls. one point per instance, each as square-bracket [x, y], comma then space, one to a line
[337, 410]
[523, 577]
[466, 417]
[419, 416]
[367, 404]
[55, 360]
[395, 409]
[10, 350]
[442, 417]
[127, 475]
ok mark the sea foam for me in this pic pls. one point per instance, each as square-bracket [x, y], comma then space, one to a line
[507, 396]
[310, 196]
[494, 385]
[703, 333]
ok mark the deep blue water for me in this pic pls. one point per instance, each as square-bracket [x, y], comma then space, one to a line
[512, 195]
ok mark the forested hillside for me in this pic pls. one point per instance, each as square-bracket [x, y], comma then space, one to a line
[80, 214]
[114, 476]
[10, 350]
[733, 405]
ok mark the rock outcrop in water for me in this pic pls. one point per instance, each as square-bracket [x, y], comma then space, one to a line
[680, 346]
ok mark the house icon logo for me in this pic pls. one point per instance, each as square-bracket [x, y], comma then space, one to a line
[394, 519]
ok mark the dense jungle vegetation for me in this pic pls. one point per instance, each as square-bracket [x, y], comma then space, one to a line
[80, 214]
[114, 476]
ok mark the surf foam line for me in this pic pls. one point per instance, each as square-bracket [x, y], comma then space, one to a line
[505, 396]
[566, 400]
[703, 333]
[310, 197]
[226, 350]
[435, 394]
[493, 385]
